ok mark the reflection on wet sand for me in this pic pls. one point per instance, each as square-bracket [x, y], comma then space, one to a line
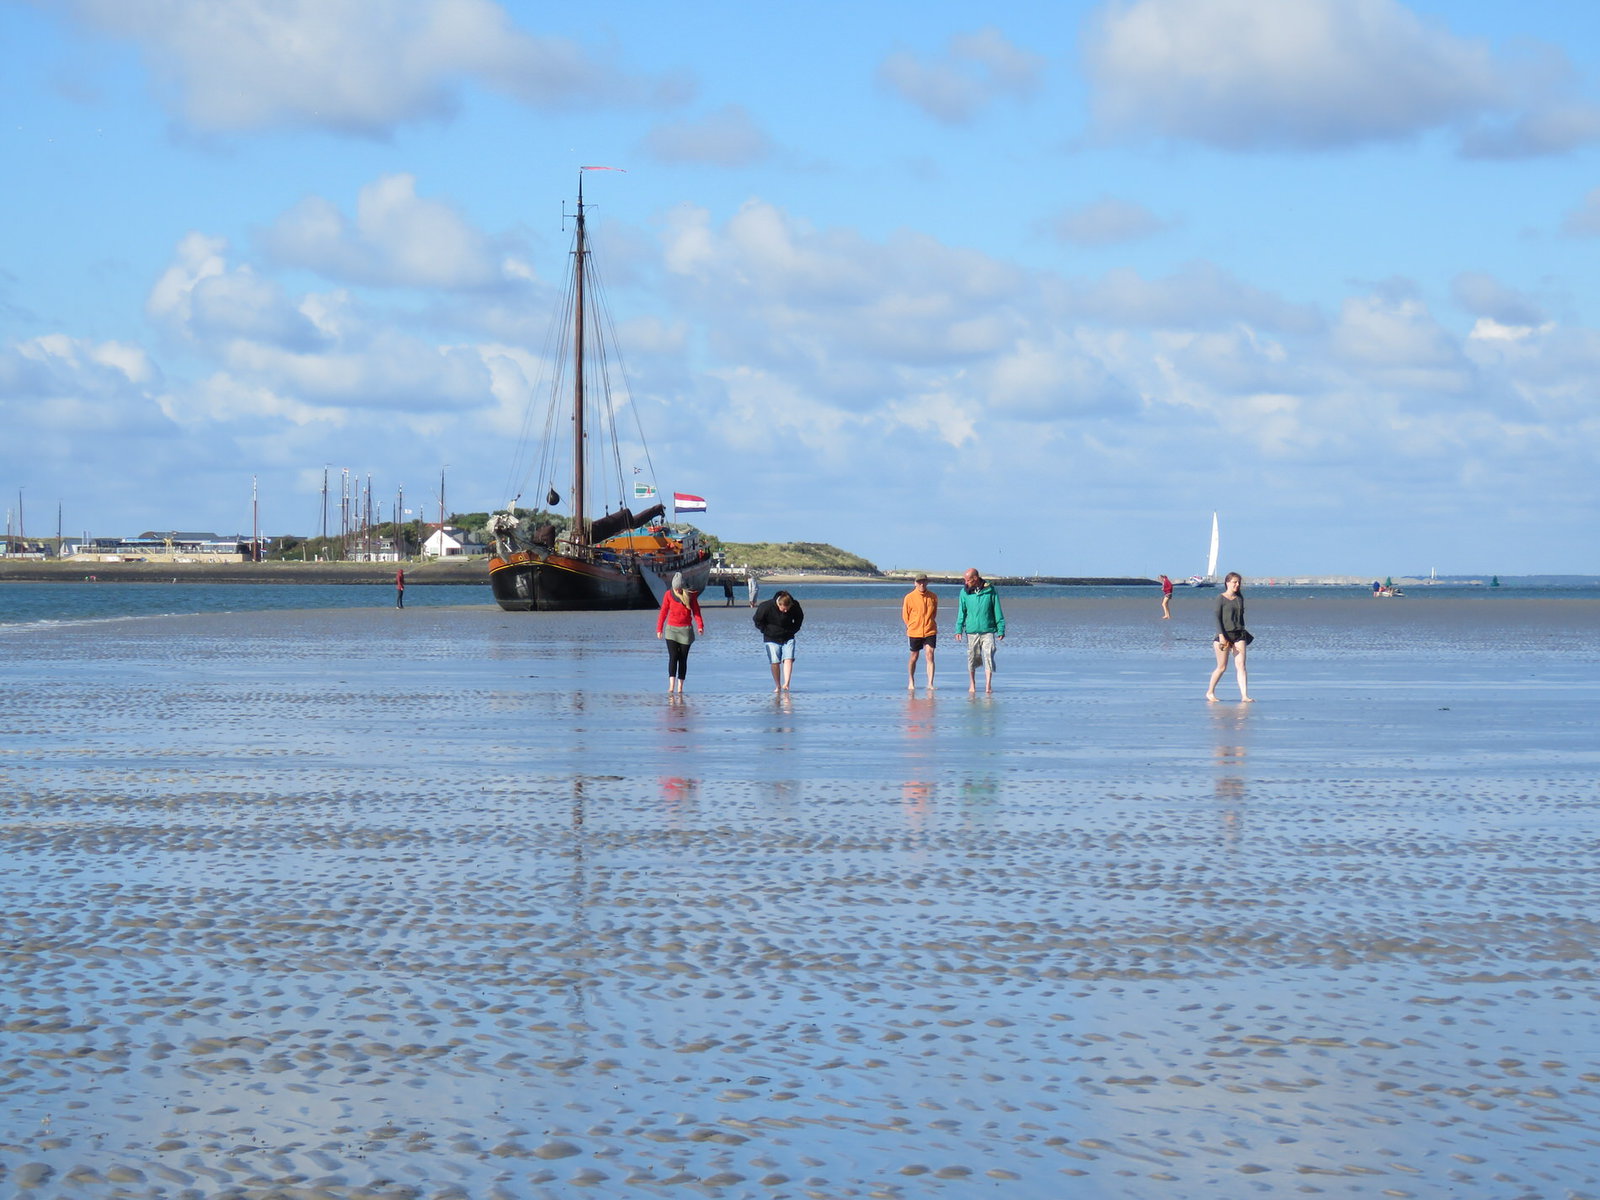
[680, 796]
[1231, 727]
[450, 932]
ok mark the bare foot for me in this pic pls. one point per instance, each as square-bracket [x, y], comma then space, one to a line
[1246, 700]
[1211, 698]
[911, 687]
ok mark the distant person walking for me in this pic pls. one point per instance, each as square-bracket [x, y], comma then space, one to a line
[1166, 598]
[920, 612]
[752, 589]
[727, 592]
[400, 588]
[1232, 637]
[675, 625]
[980, 620]
[779, 619]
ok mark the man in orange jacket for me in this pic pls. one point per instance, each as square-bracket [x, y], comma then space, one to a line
[920, 612]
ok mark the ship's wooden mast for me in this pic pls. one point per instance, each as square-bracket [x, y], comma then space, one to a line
[580, 529]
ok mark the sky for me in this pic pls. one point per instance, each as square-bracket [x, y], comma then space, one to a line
[1036, 292]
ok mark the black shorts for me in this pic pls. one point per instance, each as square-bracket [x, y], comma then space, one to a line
[930, 642]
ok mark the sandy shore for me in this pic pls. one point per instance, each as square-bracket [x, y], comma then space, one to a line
[450, 903]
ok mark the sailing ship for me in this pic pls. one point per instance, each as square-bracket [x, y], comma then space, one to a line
[616, 559]
[1209, 579]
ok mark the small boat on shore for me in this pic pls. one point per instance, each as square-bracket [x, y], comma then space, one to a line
[619, 558]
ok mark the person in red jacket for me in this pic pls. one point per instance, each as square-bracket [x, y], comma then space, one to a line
[675, 625]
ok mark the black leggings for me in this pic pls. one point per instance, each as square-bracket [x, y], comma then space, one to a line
[677, 659]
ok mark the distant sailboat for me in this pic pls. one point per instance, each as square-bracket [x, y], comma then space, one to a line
[1209, 579]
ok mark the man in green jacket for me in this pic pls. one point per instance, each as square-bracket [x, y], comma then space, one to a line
[980, 620]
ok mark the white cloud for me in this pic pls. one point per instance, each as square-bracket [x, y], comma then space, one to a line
[728, 137]
[1315, 74]
[1584, 221]
[1046, 380]
[198, 257]
[397, 239]
[1396, 343]
[202, 297]
[226, 400]
[353, 66]
[1105, 222]
[389, 371]
[1562, 126]
[785, 356]
[976, 69]
[1237, 361]
[1199, 295]
[73, 400]
[291, 358]
[55, 365]
[849, 319]
[1484, 296]
[989, 375]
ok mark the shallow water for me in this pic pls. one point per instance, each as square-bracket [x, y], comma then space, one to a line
[452, 902]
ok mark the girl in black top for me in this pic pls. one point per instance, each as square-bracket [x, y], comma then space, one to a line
[1232, 637]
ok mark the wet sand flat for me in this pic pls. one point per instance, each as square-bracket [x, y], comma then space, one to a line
[455, 903]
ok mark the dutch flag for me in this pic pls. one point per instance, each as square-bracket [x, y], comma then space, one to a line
[683, 502]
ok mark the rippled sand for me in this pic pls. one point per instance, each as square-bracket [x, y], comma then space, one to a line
[456, 904]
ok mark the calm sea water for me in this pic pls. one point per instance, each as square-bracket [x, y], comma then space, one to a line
[53, 603]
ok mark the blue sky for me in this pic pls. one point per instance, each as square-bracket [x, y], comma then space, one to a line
[1037, 294]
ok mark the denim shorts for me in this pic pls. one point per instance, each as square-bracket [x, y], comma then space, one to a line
[778, 651]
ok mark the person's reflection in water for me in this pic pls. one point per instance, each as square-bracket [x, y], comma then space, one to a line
[782, 794]
[676, 724]
[1229, 757]
[916, 803]
[681, 796]
[980, 720]
[919, 713]
[917, 791]
[978, 795]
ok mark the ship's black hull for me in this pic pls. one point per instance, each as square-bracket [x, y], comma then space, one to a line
[523, 583]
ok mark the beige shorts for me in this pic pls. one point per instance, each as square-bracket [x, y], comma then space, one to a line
[980, 649]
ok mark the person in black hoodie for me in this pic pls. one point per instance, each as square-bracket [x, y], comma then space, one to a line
[779, 619]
